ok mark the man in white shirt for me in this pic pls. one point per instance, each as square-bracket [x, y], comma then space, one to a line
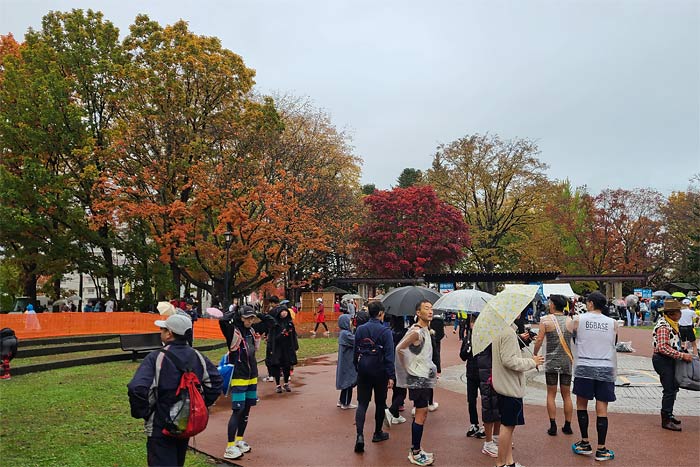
[685, 325]
[109, 306]
[595, 366]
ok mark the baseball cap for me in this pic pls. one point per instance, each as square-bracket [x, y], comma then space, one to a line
[247, 311]
[178, 324]
[685, 301]
[165, 308]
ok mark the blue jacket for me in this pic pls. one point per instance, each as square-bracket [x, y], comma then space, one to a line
[381, 335]
[145, 402]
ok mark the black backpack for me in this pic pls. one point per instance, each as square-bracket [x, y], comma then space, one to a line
[370, 357]
[8, 343]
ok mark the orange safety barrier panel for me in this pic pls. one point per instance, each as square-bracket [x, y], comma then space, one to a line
[75, 324]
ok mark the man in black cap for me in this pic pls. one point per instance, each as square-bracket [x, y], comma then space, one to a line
[152, 401]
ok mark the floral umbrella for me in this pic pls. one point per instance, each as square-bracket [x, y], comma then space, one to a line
[499, 313]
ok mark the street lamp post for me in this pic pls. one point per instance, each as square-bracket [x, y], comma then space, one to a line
[228, 236]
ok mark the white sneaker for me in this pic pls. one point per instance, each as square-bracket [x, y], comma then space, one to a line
[348, 407]
[490, 449]
[243, 446]
[232, 452]
[433, 407]
[393, 420]
[338, 404]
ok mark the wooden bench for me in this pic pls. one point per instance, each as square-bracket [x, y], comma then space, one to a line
[140, 343]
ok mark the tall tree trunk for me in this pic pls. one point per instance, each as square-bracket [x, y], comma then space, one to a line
[29, 281]
[177, 279]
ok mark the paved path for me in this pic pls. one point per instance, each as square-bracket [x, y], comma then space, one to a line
[304, 427]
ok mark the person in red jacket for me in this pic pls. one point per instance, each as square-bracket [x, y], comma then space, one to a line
[320, 318]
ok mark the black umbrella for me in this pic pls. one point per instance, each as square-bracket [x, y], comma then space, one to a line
[402, 301]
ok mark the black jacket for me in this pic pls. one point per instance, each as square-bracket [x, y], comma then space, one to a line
[282, 340]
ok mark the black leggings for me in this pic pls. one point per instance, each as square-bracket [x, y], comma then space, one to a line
[238, 423]
[276, 373]
[324, 325]
[472, 394]
[398, 398]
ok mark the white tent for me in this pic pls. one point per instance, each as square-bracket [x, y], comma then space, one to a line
[556, 289]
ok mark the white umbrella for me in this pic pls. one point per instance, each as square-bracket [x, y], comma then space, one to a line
[215, 312]
[631, 300]
[351, 296]
[470, 300]
[499, 313]
[661, 293]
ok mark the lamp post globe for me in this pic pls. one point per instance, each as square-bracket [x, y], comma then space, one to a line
[228, 237]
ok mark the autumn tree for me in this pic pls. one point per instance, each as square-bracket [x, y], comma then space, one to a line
[368, 188]
[497, 187]
[59, 98]
[322, 162]
[680, 231]
[408, 232]
[409, 177]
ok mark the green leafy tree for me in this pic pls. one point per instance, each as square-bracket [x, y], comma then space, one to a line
[410, 177]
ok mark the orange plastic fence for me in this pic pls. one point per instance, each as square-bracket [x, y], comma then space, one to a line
[74, 324]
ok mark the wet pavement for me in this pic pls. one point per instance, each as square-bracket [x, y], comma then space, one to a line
[305, 427]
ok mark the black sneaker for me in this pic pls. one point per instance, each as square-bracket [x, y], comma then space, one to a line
[380, 436]
[360, 443]
[566, 429]
[604, 455]
[583, 448]
[473, 430]
[481, 434]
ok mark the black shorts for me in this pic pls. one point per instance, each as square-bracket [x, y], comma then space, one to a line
[511, 409]
[603, 391]
[553, 378]
[687, 333]
[420, 397]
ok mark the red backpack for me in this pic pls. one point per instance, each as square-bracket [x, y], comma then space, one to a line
[188, 415]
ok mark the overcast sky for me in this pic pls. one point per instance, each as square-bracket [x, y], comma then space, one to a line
[609, 89]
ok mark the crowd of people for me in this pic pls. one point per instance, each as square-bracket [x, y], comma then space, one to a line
[378, 354]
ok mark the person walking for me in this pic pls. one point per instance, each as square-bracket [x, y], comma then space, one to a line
[320, 315]
[595, 367]
[558, 361]
[236, 327]
[398, 394]
[509, 369]
[374, 360]
[416, 371]
[345, 372]
[472, 375]
[161, 449]
[282, 339]
[685, 325]
[461, 321]
[667, 349]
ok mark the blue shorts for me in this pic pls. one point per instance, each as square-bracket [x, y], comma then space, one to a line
[244, 392]
[511, 409]
[603, 391]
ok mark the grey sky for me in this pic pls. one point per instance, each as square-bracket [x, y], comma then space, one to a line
[609, 89]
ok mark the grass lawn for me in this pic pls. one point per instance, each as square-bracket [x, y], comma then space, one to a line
[80, 416]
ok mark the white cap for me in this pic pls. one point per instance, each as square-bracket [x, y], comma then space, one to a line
[178, 324]
[166, 308]
[685, 301]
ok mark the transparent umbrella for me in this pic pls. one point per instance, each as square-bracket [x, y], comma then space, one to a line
[469, 300]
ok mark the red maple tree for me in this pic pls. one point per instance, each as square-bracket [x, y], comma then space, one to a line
[408, 232]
